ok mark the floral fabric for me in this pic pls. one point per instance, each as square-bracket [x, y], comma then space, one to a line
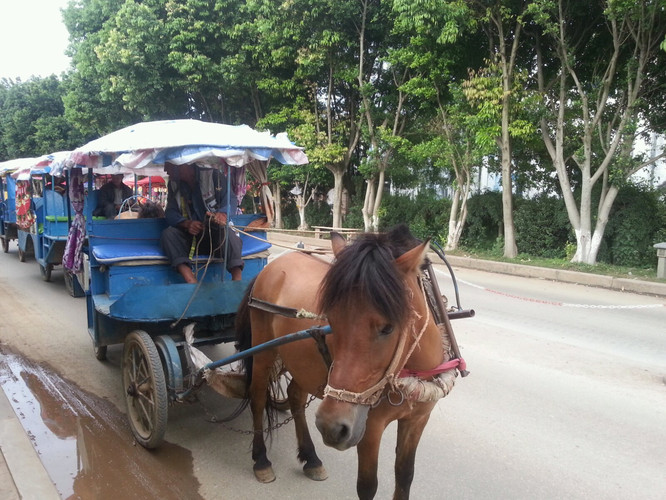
[72, 259]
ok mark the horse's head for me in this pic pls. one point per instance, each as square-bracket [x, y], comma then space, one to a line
[368, 296]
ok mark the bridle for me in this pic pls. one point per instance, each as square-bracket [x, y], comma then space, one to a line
[372, 395]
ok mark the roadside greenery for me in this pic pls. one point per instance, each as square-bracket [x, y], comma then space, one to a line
[399, 104]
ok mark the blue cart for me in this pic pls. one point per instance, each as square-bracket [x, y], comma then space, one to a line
[136, 298]
[46, 238]
[133, 296]
[8, 230]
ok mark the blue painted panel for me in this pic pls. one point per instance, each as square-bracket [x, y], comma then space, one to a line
[157, 303]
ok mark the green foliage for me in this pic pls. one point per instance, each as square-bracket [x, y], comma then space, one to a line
[542, 226]
[484, 221]
[426, 215]
[32, 121]
[637, 222]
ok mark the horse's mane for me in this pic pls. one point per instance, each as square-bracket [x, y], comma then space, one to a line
[364, 272]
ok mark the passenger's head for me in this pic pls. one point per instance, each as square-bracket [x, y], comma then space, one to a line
[187, 173]
[117, 179]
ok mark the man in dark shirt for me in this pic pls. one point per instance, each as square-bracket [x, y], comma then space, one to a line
[111, 196]
[197, 216]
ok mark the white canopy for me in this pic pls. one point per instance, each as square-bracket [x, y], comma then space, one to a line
[16, 164]
[52, 163]
[143, 148]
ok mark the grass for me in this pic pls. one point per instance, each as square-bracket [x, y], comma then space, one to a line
[646, 274]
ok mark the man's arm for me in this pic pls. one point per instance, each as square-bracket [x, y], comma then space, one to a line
[172, 212]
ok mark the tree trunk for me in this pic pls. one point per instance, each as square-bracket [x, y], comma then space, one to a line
[458, 214]
[300, 204]
[374, 222]
[368, 202]
[508, 66]
[278, 206]
[338, 173]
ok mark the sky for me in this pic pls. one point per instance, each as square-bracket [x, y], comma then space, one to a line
[33, 38]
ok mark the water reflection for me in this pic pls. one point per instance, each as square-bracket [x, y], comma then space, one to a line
[84, 442]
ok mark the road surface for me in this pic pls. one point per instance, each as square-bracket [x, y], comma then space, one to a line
[566, 399]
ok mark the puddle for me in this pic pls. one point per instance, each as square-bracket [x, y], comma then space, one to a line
[85, 443]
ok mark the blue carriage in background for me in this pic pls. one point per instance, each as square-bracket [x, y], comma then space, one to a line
[133, 295]
[8, 228]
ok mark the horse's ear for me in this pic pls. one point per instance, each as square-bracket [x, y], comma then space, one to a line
[411, 260]
[337, 242]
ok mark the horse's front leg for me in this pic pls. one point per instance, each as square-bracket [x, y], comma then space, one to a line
[262, 366]
[367, 452]
[307, 455]
[409, 434]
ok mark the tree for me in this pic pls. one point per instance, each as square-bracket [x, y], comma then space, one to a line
[32, 122]
[592, 62]
[447, 138]
[89, 107]
[502, 22]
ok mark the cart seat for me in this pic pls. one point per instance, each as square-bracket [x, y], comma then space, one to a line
[117, 253]
[253, 246]
[114, 254]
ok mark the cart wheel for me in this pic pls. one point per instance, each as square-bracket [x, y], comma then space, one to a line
[145, 389]
[5, 245]
[278, 391]
[100, 352]
[46, 271]
[21, 255]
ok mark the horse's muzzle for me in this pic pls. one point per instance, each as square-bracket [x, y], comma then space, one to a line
[341, 424]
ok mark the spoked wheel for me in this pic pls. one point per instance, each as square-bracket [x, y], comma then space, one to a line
[278, 391]
[46, 271]
[145, 389]
[21, 255]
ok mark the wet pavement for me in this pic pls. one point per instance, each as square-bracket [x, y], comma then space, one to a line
[84, 442]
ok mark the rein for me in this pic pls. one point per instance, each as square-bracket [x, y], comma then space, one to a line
[372, 395]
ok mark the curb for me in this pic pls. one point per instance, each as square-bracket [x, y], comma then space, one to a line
[588, 279]
[26, 476]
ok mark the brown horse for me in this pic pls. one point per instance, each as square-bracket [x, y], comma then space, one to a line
[373, 299]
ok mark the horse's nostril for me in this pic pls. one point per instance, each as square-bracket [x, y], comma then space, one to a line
[343, 433]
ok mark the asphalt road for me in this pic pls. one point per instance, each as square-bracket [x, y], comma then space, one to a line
[566, 398]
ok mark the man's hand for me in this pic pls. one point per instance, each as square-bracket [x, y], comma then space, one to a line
[219, 218]
[193, 227]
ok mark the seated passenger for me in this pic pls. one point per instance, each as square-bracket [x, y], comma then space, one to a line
[111, 195]
[196, 212]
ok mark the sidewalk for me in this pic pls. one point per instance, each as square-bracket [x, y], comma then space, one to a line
[22, 474]
[598, 280]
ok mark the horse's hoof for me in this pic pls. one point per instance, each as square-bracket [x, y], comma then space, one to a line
[316, 473]
[265, 475]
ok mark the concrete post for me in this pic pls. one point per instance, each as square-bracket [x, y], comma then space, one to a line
[661, 259]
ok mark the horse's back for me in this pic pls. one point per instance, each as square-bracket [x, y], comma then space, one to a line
[292, 280]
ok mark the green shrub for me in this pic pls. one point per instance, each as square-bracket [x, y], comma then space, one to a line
[426, 215]
[542, 227]
[635, 222]
[484, 221]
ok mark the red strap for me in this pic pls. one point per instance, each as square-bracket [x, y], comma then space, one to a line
[446, 366]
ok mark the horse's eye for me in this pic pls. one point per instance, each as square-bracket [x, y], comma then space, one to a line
[387, 330]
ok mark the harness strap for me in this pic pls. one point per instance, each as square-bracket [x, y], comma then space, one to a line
[290, 312]
[323, 348]
[287, 312]
[446, 366]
